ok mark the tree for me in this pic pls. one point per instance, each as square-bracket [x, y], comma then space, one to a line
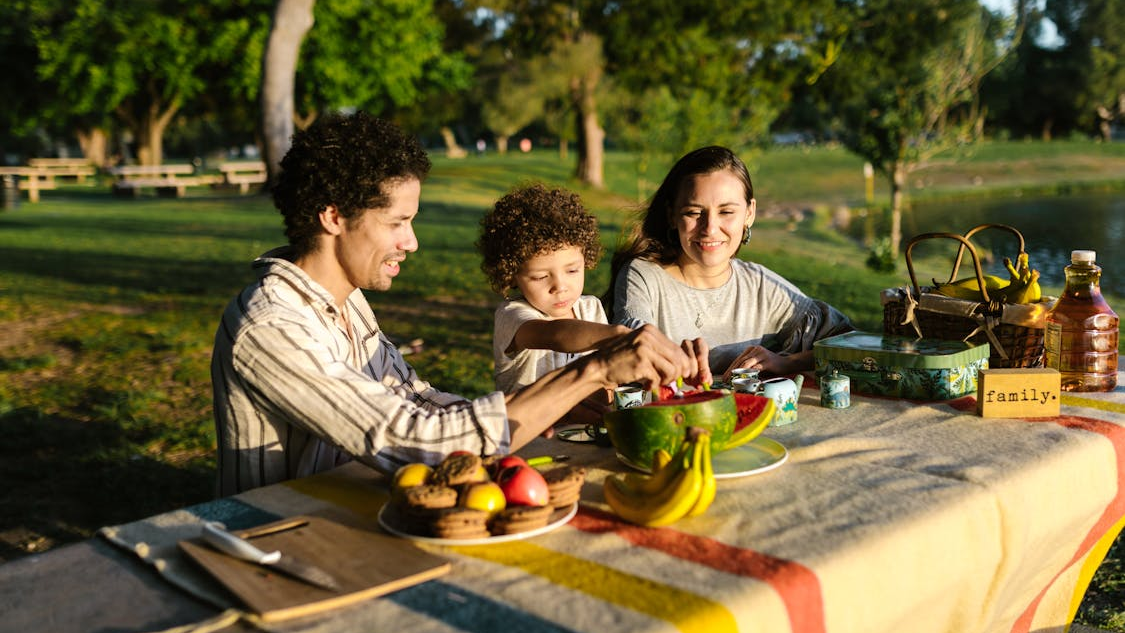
[555, 29]
[904, 81]
[25, 100]
[1031, 91]
[374, 55]
[1093, 51]
[515, 101]
[292, 19]
[141, 61]
[693, 72]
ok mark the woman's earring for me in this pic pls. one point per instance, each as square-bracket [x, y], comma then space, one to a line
[745, 234]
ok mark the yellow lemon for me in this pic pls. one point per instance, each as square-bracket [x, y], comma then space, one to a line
[412, 475]
[486, 496]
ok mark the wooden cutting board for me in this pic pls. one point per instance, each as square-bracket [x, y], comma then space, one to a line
[365, 563]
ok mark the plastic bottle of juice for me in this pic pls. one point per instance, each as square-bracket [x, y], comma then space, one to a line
[1081, 337]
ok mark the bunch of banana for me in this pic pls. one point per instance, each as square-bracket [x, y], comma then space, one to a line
[680, 485]
[1022, 286]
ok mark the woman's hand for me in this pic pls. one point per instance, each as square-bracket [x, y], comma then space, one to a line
[698, 352]
[758, 357]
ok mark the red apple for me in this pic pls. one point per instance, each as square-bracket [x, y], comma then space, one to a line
[523, 486]
[506, 461]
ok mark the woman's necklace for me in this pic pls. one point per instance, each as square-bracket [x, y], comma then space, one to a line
[718, 296]
[707, 310]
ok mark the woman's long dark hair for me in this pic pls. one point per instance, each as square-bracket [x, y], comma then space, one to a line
[654, 236]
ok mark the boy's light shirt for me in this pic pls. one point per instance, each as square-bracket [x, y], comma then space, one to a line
[524, 367]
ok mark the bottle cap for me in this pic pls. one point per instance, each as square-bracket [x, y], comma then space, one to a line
[1083, 257]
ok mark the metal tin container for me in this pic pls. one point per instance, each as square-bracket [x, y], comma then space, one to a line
[902, 367]
[836, 391]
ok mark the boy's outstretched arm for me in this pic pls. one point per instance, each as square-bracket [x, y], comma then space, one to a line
[565, 335]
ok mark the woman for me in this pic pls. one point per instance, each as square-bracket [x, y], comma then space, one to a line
[681, 273]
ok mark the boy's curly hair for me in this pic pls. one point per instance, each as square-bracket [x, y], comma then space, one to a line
[346, 161]
[529, 221]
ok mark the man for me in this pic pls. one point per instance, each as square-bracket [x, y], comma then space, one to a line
[304, 379]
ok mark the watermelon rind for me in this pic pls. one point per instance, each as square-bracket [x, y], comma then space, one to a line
[755, 427]
[638, 432]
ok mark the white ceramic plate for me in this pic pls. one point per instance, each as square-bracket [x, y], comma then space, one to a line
[558, 519]
[756, 456]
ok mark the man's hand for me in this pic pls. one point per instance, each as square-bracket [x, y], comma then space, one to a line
[647, 356]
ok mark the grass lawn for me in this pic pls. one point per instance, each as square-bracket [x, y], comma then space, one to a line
[108, 309]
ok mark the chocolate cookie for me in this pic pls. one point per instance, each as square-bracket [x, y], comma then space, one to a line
[429, 496]
[515, 519]
[456, 469]
[564, 485]
[460, 523]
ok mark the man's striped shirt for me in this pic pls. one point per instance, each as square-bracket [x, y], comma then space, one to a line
[295, 395]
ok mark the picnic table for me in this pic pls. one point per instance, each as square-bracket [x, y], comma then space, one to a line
[890, 515]
[30, 179]
[76, 168]
[171, 180]
[243, 174]
[40, 173]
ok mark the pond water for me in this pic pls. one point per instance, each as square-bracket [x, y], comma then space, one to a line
[1051, 227]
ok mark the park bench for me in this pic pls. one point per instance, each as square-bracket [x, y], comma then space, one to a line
[243, 174]
[30, 179]
[77, 168]
[168, 180]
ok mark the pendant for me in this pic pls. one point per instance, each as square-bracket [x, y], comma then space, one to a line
[699, 319]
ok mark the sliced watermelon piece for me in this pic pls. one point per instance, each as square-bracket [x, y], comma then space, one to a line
[637, 432]
[754, 414]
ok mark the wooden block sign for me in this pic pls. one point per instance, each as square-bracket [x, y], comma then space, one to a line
[1018, 393]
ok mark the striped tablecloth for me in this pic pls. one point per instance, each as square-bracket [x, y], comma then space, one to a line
[887, 516]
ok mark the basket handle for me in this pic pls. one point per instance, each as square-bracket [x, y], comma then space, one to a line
[965, 243]
[976, 229]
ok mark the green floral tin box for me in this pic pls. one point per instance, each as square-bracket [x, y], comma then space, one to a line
[902, 367]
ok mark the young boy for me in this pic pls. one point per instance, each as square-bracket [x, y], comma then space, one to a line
[541, 242]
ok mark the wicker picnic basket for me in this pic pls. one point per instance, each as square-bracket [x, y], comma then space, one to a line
[1015, 332]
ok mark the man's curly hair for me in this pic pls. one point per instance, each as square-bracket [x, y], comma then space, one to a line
[346, 161]
[529, 221]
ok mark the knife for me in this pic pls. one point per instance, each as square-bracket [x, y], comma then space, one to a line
[216, 535]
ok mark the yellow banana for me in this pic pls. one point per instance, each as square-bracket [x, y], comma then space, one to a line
[667, 506]
[707, 495]
[1024, 287]
[969, 287]
[1024, 292]
[662, 473]
[1013, 272]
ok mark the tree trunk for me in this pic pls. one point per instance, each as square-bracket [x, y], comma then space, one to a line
[292, 19]
[591, 136]
[501, 144]
[452, 149]
[1105, 118]
[563, 149]
[150, 133]
[94, 143]
[898, 186]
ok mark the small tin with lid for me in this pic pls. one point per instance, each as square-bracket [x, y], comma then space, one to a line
[835, 391]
